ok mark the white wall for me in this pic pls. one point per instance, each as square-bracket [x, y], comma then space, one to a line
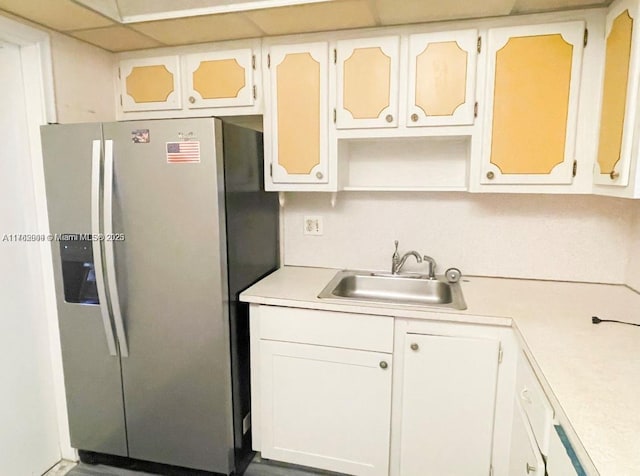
[29, 437]
[84, 78]
[84, 92]
[564, 237]
[84, 81]
[633, 266]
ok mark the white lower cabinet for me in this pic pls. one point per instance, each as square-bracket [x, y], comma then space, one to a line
[525, 459]
[534, 403]
[326, 407]
[448, 404]
[389, 396]
[321, 388]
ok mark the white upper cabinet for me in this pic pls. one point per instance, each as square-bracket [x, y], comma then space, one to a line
[619, 96]
[150, 84]
[296, 140]
[367, 77]
[531, 112]
[442, 78]
[220, 79]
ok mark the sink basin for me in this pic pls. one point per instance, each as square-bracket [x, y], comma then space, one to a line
[414, 290]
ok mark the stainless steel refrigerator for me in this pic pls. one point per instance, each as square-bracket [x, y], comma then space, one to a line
[158, 225]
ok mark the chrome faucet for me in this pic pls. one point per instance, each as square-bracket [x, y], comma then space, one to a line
[397, 262]
[432, 266]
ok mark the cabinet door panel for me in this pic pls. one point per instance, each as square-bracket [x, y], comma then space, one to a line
[298, 113]
[532, 108]
[367, 82]
[534, 403]
[442, 77]
[525, 459]
[220, 79]
[326, 407]
[619, 97]
[448, 404]
[150, 84]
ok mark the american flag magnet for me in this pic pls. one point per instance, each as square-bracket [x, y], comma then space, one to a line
[185, 152]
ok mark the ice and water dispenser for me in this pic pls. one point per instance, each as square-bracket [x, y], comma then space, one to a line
[78, 273]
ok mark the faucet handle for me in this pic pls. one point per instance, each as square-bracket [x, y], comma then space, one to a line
[396, 255]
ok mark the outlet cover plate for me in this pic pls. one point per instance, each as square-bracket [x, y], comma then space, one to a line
[313, 225]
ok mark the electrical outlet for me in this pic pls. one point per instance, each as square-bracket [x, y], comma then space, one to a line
[313, 225]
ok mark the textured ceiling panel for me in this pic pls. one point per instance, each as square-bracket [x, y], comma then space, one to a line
[61, 15]
[335, 15]
[199, 29]
[395, 12]
[116, 38]
[85, 24]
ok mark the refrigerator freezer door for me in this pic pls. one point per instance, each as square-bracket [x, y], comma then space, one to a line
[92, 376]
[171, 273]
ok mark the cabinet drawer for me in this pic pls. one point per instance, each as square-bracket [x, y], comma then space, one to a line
[334, 329]
[534, 402]
[525, 458]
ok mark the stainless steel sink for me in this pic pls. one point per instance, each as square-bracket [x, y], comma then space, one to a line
[412, 290]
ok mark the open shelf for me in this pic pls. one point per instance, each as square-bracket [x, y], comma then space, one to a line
[412, 164]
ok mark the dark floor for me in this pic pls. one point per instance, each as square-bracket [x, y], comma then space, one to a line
[257, 467]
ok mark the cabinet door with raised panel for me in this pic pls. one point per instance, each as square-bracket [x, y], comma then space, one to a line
[619, 97]
[150, 84]
[297, 109]
[533, 80]
[442, 78]
[448, 405]
[367, 75]
[326, 407]
[220, 79]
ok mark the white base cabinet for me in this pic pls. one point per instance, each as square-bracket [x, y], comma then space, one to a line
[448, 403]
[389, 396]
[326, 407]
[526, 459]
[321, 388]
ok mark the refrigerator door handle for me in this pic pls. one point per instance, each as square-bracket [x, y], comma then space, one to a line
[97, 246]
[108, 248]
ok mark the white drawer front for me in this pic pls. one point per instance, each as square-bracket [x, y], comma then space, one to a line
[334, 329]
[525, 459]
[535, 404]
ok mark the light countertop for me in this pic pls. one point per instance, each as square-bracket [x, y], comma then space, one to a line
[592, 370]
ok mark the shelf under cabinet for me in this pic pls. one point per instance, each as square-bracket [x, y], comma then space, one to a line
[409, 164]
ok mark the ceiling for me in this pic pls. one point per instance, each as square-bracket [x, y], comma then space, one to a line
[117, 25]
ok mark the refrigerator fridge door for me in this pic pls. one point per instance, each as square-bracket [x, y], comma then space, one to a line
[168, 205]
[91, 367]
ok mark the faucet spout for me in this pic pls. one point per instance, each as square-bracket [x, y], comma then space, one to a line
[398, 264]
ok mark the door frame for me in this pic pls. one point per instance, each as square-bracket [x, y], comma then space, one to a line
[38, 83]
